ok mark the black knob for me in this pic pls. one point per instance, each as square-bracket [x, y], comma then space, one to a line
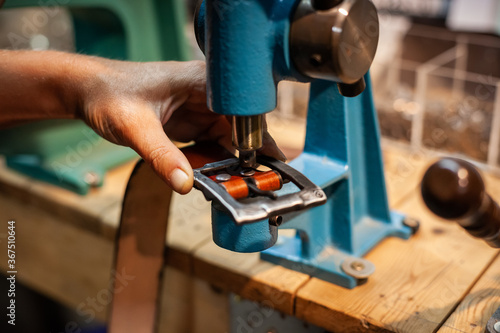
[453, 189]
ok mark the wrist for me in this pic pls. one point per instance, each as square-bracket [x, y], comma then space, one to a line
[81, 79]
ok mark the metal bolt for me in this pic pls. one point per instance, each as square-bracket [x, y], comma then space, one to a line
[319, 194]
[357, 266]
[91, 178]
[247, 172]
[412, 223]
[497, 326]
[223, 177]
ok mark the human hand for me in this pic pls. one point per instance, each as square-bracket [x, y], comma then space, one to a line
[146, 105]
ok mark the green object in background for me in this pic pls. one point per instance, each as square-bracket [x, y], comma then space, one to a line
[146, 30]
[67, 153]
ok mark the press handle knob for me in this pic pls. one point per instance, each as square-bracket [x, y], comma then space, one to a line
[454, 190]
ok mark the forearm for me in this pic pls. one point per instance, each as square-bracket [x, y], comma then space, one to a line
[44, 84]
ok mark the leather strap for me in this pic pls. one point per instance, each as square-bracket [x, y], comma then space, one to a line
[140, 244]
[139, 253]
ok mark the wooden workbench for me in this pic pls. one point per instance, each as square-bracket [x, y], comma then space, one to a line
[441, 280]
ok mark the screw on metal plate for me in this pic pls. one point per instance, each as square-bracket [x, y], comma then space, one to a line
[319, 194]
[358, 268]
[413, 224]
[223, 177]
[91, 178]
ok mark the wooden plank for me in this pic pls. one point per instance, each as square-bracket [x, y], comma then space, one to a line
[189, 228]
[483, 299]
[478, 306]
[81, 211]
[191, 305]
[210, 312]
[417, 283]
[246, 275]
[61, 261]
[176, 309]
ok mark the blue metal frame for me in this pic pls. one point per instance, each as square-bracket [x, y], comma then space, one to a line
[342, 155]
[251, 237]
[246, 43]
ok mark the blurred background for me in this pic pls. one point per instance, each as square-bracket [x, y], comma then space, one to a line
[435, 76]
[436, 81]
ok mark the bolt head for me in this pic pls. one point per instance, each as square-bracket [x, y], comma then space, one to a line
[412, 223]
[223, 177]
[357, 267]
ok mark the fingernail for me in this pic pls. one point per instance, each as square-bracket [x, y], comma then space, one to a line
[178, 179]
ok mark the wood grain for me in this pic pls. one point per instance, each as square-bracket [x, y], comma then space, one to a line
[478, 306]
[416, 287]
[176, 309]
[189, 228]
[57, 259]
[417, 283]
[246, 275]
[81, 211]
[484, 298]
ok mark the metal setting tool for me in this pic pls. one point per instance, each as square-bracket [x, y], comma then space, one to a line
[334, 193]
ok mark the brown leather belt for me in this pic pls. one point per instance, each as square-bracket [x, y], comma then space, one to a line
[140, 244]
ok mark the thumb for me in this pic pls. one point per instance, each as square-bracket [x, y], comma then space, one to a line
[150, 141]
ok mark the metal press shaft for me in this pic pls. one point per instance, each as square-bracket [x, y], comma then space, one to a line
[247, 137]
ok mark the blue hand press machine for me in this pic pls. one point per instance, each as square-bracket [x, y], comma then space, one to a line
[334, 193]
